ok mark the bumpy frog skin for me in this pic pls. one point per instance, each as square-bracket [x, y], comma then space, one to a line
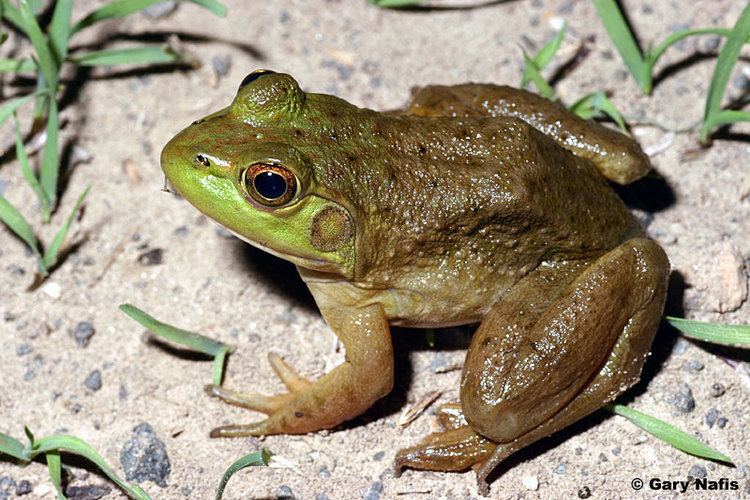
[478, 203]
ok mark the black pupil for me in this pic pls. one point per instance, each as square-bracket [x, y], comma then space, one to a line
[270, 185]
[254, 76]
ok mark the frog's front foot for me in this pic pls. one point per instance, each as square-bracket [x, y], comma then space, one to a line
[276, 407]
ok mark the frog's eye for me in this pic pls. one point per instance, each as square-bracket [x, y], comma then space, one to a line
[270, 185]
[255, 75]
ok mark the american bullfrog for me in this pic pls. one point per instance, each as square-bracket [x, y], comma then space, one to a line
[476, 204]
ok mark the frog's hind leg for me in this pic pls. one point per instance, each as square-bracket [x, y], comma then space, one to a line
[573, 353]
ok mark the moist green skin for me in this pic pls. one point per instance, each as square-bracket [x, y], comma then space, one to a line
[478, 203]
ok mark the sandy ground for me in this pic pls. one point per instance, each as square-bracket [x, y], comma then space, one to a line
[149, 248]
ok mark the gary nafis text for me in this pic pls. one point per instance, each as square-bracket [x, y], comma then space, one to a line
[695, 484]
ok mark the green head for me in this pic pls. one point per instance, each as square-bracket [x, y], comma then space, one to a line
[240, 167]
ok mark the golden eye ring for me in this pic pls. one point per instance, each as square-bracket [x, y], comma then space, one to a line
[269, 185]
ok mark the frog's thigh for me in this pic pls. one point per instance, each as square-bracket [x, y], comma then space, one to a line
[532, 356]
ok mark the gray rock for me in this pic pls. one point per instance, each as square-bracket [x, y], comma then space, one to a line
[284, 493]
[94, 380]
[680, 346]
[144, 457]
[24, 487]
[560, 469]
[712, 416]
[721, 422]
[323, 472]
[153, 257]
[697, 471]
[23, 349]
[221, 64]
[161, 9]
[378, 456]
[83, 332]
[321, 496]
[584, 492]
[693, 366]
[89, 492]
[718, 390]
[373, 491]
[682, 401]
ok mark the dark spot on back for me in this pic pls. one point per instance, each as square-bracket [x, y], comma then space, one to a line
[298, 132]
[422, 149]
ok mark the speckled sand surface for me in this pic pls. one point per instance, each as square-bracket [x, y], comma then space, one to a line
[146, 247]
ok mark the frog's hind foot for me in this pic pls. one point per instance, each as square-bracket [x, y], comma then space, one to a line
[453, 450]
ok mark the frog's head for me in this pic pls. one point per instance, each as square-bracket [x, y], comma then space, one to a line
[239, 166]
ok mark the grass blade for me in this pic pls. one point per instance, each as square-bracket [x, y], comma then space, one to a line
[132, 55]
[669, 434]
[724, 66]
[624, 41]
[595, 105]
[12, 15]
[12, 447]
[545, 55]
[77, 446]
[727, 116]
[189, 339]
[41, 47]
[21, 227]
[716, 333]
[59, 31]
[396, 3]
[217, 8]
[28, 174]
[532, 71]
[17, 65]
[10, 107]
[54, 466]
[217, 370]
[122, 8]
[50, 255]
[50, 156]
[252, 459]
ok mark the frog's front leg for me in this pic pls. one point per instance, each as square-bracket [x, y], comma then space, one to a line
[346, 392]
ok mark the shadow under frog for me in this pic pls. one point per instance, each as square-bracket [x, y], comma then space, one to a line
[476, 204]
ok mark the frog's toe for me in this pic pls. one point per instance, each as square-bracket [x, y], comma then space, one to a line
[240, 430]
[252, 401]
[450, 416]
[452, 450]
[288, 375]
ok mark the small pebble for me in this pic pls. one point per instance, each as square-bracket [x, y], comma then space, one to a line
[23, 349]
[373, 491]
[680, 346]
[531, 483]
[15, 270]
[152, 257]
[712, 416]
[221, 64]
[718, 390]
[721, 422]
[144, 457]
[161, 9]
[6, 485]
[584, 492]
[52, 290]
[697, 471]
[378, 456]
[323, 472]
[94, 380]
[560, 469]
[90, 492]
[693, 366]
[284, 493]
[83, 333]
[24, 487]
[321, 496]
[682, 401]
[181, 231]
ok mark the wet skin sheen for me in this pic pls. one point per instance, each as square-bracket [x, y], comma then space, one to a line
[478, 203]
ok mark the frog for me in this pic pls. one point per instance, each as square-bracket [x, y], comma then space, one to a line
[474, 204]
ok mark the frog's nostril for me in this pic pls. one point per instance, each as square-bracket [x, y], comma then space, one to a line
[202, 160]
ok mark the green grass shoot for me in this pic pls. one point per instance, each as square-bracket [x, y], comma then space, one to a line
[191, 340]
[542, 59]
[51, 447]
[256, 458]
[669, 434]
[640, 64]
[716, 333]
[714, 116]
[598, 105]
